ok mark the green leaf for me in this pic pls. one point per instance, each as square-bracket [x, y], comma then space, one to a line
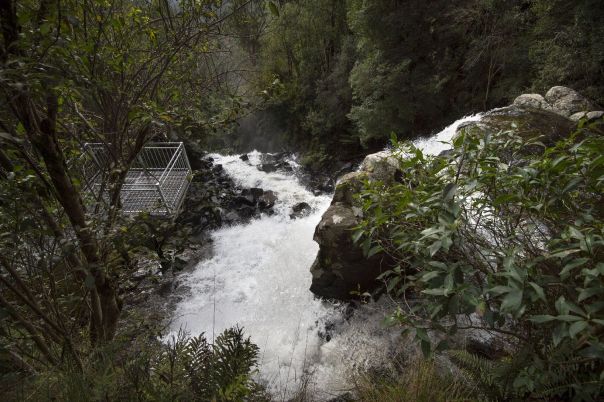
[435, 292]
[568, 318]
[422, 334]
[434, 247]
[575, 233]
[540, 319]
[273, 8]
[572, 265]
[498, 290]
[357, 235]
[512, 301]
[574, 183]
[393, 282]
[539, 290]
[374, 250]
[429, 275]
[564, 253]
[577, 327]
[449, 192]
[589, 292]
[431, 231]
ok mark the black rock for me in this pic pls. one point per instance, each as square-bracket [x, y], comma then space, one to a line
[267, 167]
[256, 192]
[245, 200]
[231, 217]
[299, 210]
[217, 169]
[284, 166]
[267, 200]
[327, 186]
[246, 211]
[244, 157]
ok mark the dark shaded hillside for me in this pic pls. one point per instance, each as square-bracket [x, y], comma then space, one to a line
[342, 76]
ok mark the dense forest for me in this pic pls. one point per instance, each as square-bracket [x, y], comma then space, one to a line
[343, 76]
[330, 81]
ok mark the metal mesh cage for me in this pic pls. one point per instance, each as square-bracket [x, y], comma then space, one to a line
[156, 182]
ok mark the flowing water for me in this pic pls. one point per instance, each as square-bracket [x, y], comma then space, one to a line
[258, 278]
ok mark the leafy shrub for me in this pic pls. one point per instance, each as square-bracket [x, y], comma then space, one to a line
[417, 383]
[506, 235]
[183, 369]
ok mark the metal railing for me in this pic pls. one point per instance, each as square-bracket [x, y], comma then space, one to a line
[156, 182]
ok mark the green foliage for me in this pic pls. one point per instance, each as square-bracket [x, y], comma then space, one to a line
[352, 72]
[574, 55]
[421, 381]
[183, 369]
[511, 233]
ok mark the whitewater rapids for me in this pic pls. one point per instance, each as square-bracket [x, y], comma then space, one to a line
[258, 278]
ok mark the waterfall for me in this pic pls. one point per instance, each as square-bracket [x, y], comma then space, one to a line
[258, 278]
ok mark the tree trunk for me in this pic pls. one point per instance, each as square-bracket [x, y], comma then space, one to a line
[103, 296]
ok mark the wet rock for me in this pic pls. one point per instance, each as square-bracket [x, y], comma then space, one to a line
[327, 185]
[589, 116]
[195, 155]
[300, 210]
[594, 115]
[245, 200]
[217, 168]
[267, 167]
[246, 211]
[528, 123]
[256, 192]
[340, 267]
[345, 168]
[231, 217]
[165, 288]
[381, 166]
[534, 101]
[267, 200]
[346, 397]
[578, 116]
[567, 101]
[244, 157]
[284, 166]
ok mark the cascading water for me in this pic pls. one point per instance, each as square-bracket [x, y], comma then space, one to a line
[258, 278]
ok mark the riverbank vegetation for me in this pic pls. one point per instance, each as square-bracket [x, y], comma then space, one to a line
[120, 73]
[329, 79]
[503, 234]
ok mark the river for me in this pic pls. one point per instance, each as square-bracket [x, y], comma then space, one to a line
[258, 278]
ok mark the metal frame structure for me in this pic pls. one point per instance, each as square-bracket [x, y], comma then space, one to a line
[156, 182]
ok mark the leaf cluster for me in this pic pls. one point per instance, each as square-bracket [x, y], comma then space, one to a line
[505, 235]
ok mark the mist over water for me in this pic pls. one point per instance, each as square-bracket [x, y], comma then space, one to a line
[258, 278]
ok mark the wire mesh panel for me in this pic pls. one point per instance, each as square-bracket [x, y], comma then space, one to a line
[156, 182]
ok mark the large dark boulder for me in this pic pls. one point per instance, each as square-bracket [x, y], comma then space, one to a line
[340, 270]
[340, 267]
[529, 123]
[300, 210]
[267, 200]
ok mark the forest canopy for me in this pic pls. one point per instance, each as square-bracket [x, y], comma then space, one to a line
[351, 73]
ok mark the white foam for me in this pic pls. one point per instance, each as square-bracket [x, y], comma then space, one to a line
[435, 144]
[259, 278]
